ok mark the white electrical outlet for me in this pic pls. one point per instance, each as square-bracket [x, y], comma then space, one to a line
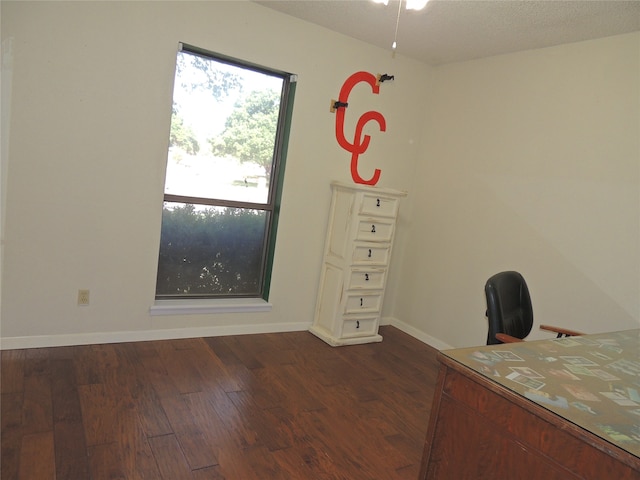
[83, 297]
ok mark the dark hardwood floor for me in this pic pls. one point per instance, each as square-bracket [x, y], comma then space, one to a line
[271, 406]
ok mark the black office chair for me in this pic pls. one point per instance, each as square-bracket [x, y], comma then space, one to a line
[509, 310]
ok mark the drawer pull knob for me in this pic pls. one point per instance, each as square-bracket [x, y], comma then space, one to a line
[357, 323]
[360, 301]
[377, 202]
[366, 277]
[369, 253]
[373, 229]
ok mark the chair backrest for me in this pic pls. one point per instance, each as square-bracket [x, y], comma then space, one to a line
[509, 307]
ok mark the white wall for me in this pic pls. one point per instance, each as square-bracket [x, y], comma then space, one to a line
[90, 112]
[527, 161]
[531, 162]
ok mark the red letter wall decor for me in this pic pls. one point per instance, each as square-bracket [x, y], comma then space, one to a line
[360, 143]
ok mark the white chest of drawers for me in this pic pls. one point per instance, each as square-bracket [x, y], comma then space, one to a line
[360, 235]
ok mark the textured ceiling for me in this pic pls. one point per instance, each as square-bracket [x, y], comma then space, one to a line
[456, 30]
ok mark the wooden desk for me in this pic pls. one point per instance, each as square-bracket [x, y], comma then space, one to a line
[551, 409]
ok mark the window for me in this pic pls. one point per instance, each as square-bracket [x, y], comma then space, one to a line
[229, 129]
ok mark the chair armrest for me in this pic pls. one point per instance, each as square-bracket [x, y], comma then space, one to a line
[504, 338]
[561, 331]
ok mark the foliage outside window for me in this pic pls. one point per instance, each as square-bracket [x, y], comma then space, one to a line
[229, 127]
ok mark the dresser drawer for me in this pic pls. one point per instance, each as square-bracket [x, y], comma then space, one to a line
[374, 229]
[379, 205]
[356, 327]
[363, 302]
[373, 254]
[366, 278]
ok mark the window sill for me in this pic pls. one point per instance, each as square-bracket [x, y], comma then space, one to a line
[200, 307]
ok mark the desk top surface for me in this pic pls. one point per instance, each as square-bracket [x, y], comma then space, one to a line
[592, 381]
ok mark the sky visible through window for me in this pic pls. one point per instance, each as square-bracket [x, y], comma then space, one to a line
[205, 174]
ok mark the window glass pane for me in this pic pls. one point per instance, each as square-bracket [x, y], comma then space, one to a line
[223, 130]
[229, 127]
[208, 251]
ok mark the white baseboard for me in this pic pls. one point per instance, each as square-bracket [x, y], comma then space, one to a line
[415, 333]
[39, 341]
[13, 343]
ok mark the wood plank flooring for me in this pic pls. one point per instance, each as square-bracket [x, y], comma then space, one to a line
[272, 406]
